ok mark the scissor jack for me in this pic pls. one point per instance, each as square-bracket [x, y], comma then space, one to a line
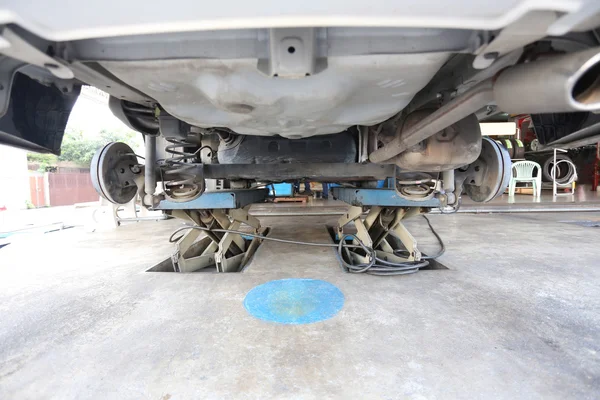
[382, 230]
[210, 213]
[228, 251]
[381, 245]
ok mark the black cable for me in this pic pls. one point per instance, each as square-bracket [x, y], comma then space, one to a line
[404, 252]
[374, 265]
[133, 154]
[206, 147]
[440, 241]
[201, 228]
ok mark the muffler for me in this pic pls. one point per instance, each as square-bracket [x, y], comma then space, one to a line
[569, 82]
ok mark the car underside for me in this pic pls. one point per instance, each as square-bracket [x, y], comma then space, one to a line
[239, 94]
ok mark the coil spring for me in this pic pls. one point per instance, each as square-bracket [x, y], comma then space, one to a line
[183, 185]
[416, 186]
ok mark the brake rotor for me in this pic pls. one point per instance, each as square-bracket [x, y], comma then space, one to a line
[111, 173]
[496, 161]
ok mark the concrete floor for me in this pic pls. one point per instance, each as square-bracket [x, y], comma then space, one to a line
[516, 315]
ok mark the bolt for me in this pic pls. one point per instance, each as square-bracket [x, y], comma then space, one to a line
[491, 56]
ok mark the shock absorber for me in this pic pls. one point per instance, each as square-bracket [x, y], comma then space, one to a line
[179, 177]
[150, 170]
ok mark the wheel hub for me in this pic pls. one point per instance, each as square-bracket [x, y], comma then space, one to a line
[112, 171]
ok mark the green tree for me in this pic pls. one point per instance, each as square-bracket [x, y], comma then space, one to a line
[80, 148]
[133, 139]
[42, 158]
[77, 148]
[44, 161]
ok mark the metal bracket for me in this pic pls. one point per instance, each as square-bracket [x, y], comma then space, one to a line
[8, 67]
[292, 52]
[219, 199]
[14, 46]
[228, 251]
[382, 230]
[525, 30]
[380, 197]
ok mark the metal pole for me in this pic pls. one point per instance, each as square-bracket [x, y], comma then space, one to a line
[553, 174]
[596, 180]
[448, 182]
[554, 171]
[150, 170]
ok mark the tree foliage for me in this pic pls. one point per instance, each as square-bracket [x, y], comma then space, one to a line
[80, 148]
[42, 158]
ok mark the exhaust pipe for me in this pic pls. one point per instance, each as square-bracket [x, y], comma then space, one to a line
[569, 82]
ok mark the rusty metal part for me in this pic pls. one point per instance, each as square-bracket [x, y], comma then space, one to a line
[112, 173]
[455, 110]
[181, 181]
[562, 83]
[457, 145]
[488, 177]
[320, 172]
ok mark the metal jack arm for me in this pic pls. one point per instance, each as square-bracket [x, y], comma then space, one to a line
[382, 230]
[229, 251]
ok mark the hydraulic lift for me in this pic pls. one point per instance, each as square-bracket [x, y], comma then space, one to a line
[208, 213]
[382, 229]
[381, 243]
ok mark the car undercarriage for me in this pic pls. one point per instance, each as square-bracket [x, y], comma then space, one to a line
[240, 102]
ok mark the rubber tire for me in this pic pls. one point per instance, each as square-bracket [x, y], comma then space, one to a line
[508, 145]
[535, 145]
[518, 149]
[547, 167]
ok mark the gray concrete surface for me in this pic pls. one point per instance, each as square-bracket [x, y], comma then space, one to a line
[516, 316]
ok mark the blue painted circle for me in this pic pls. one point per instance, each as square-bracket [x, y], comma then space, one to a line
[294, 301]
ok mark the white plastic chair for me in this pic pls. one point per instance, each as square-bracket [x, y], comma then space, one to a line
[522, 171]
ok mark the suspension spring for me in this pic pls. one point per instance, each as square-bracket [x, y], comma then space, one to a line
[179, 179]
[416, 186]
